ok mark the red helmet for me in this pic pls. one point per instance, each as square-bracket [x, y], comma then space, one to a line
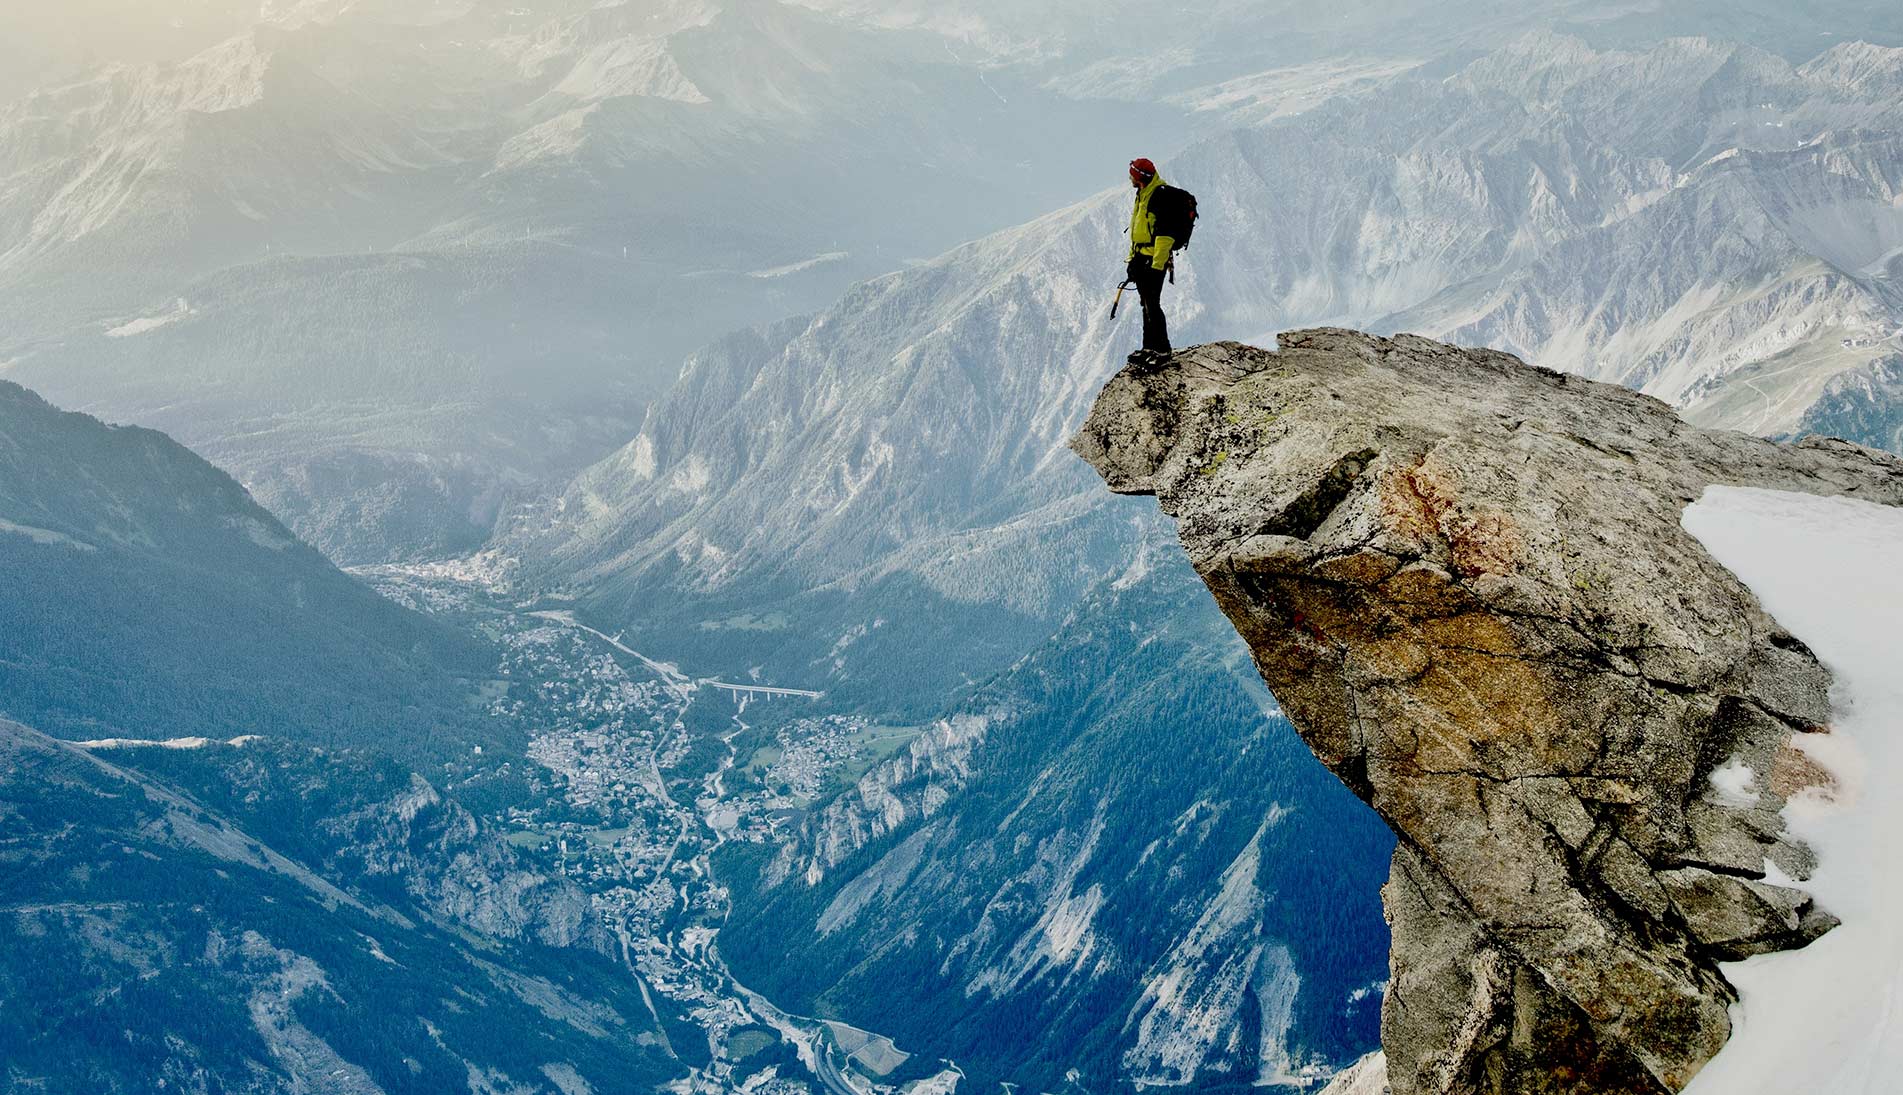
[1141, 171]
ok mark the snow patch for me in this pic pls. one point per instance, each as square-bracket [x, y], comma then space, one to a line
[1368, 1076]
[1826, 1018]
[1735, 785]
[1379, 988]
[165, 743]
[641, 457]
[140, 326]
[692, 476]
[1285, 92]
[44, 536]
[799, 267]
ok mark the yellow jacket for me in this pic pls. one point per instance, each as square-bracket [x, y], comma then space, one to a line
[1143, 237]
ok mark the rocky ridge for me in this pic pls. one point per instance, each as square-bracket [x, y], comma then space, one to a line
[1466, 581]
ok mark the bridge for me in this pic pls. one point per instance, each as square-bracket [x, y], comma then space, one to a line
[669, 673]
[759, 689]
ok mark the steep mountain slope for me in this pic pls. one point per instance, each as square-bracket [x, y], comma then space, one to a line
[150, 597]
[866, 459]
[1103, 870]
[293, 922]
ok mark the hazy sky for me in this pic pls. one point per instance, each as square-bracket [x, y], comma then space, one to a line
[42, 40]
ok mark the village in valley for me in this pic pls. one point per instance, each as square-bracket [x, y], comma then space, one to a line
[639, 772]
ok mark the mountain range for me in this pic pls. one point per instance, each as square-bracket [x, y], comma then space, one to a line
[507, 222]
[1704, 222]
[421, 277]
[512, 220]
[150, 597]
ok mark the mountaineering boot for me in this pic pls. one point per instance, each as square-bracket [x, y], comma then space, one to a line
[1149, 361]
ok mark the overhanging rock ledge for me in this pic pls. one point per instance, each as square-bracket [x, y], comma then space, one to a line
[1465, 579]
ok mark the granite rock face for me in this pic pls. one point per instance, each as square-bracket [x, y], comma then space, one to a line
[1466, 581]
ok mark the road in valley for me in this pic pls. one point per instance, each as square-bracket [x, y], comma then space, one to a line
[609, 735]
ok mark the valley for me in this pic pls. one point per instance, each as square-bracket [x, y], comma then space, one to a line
[850, 843]
[640, 778]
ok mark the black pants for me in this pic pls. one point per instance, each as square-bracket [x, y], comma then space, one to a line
[1149, 284]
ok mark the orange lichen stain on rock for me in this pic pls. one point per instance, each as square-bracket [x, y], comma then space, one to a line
[1477, 632]
[1396, 659]
[1362, 568]
[1404, 508]
[1423, 503]
[1478, 706]
[1488, 698]
[1485, 543]
[1794, 773]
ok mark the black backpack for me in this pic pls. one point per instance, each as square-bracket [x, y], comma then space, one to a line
[1174, 210]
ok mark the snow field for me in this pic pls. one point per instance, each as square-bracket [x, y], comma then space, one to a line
[1826, 1018]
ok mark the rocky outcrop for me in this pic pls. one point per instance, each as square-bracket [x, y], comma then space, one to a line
[458, 870]
[910, 787]
[1466, 581]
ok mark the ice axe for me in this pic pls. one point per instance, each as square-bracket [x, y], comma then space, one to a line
[1118, 301]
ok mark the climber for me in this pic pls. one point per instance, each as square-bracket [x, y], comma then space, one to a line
[1159, 227]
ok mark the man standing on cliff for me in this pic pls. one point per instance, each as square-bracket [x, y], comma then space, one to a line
[1159, 226]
